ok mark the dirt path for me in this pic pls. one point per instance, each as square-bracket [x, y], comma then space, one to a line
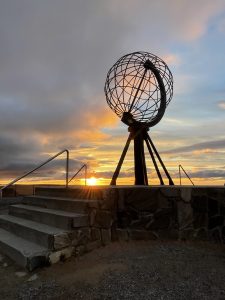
[134, 270]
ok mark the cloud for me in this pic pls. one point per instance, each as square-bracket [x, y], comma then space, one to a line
[55, 168]
[221, 104]
[219, 144]
[172, 59]
[221, 25]
[208, 174]
[54, 59]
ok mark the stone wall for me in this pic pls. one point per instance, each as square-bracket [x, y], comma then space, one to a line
[188, 213]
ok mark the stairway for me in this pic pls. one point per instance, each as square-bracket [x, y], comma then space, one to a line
[43, 230]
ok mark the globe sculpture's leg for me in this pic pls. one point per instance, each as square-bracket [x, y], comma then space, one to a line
[140, 135]
[153, 159]
[140, 169]
[150, 144]
[117, 171]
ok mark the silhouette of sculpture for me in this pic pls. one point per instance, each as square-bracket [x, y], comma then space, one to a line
[138, 88]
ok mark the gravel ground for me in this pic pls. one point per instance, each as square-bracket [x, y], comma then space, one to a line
[134, 270]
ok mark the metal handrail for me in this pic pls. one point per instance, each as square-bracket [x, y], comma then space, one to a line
[38, 167]
[180, 167]
[85, 170]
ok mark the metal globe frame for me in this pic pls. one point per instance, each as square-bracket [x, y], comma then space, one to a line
[138, 88]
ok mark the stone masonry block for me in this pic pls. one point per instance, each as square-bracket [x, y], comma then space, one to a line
[103, 219]
[61, 255]
[92, 217]
[81, 236]
[185, 215]
[61, 241]
[93, 245]
[122, 234]
[185, 193]
[109, 200]
[136, 234]
[106, 236]
[95, 234]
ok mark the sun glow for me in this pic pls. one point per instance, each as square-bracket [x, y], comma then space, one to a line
[92, 181]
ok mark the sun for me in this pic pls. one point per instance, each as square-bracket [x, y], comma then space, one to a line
[92, 181]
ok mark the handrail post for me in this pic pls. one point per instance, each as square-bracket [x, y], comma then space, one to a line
[180, 174]
[84, 166]
[67, 168]
[180, 167]
[85, 175]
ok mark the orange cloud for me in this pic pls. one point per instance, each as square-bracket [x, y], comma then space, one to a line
[171, 59]
[221, 104]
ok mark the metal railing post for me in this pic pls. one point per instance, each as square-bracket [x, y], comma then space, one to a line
[180, 174]
[85, 175]
[180, 167]
[67, 168]
[85, 168]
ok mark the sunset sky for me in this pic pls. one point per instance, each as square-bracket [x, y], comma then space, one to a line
[54, 57]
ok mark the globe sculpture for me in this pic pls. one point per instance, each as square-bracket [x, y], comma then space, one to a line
[138, 88]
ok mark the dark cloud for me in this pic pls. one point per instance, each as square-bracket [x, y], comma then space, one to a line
[220, 144]
[208, 174]
[109, 174]
[21, 148]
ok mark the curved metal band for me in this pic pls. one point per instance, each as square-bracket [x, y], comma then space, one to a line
[162, 107]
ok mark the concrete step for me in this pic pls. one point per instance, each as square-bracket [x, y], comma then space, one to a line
[73, 192]
[52, 217]
[5, 202]
[25, 253]
[48, 236]
[66, 204]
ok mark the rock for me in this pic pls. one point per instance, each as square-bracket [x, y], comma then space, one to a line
[106, 236]
[168, 234]
[186, 234]
[60, 255]
[81, 236]
[20, 274]
[137, 224]
[109, 200]
[33, 277]
[223, 233]
[80, 250]
[213, 207]
[201, 234]
[200, 203]
[185, 193]
[5, 265]
[143, 199]
[61, 241]
[92, 245]
[185, 215]
[215, 221]
[136, 234]
[161, 219]
[103, 219]
[167, 192]
[95, 234]
[122, 234]
[216, 235]
[200, 220]
[163, 202]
